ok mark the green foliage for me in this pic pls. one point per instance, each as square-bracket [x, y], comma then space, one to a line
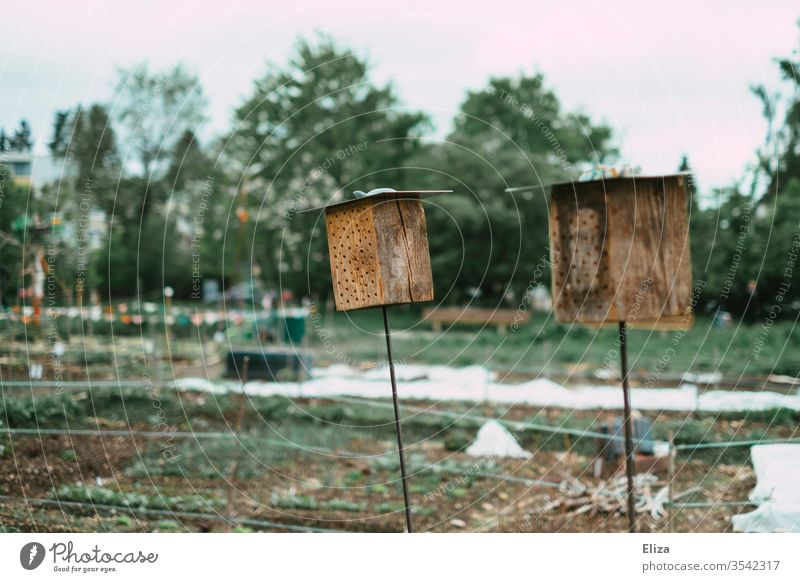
[134, 500]
[22, 138]
[156, 108]
[456, 492]
[40, 411]
[59, 142]
[92, 148]
[457, 440]
[353, 478]
[345, 505]
[390, 462]
[307, 131]
[295, 502]
[389, 507]
[319, 127]
[512, 132]
[14, 201]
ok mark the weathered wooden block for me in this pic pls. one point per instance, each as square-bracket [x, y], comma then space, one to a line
[378, 249]
[620, 251]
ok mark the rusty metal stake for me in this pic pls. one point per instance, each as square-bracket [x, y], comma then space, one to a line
[670, 479]
[629, 459]
[403, 476]
[234, 468]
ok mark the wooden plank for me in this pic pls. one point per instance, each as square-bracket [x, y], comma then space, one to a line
[353, 250]
[475, 315]
[419, 258]
[583, 285]
[663, 323]
[649, 252]
[392, 253]
[403, 251]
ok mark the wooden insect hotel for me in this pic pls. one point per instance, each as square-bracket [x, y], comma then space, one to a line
[620, 251]
[378, 247]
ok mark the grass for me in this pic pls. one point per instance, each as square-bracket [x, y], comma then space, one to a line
[345, 505]
[356, 338]
[258, 451]
[281, 432]
[134, 500]
[302, 502]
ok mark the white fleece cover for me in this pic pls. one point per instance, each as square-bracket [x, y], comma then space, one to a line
[478, 384]
[777, 491]
[494, 440]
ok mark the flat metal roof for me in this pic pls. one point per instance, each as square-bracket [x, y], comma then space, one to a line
[398, 194]
[576, 181]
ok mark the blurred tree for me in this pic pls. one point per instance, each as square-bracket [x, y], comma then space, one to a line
[60, 140]
[513, 132]
[200, 200]
[778, 160]
[154, 110]
[685, 167]
[773, 257]
[721, 239]
[310, 132]
[12, 212]
[3, 140]
[754, 236]
[22, 140]
[160, 258]
[92, 148]
[84, 141]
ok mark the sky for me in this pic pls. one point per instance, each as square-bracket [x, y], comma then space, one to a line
[668, 77]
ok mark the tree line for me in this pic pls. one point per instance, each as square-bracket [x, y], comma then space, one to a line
[178, 210]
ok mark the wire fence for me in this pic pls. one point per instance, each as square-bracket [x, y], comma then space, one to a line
[103, 507]
[229, 435]
[273, 442]
[520, 426]
[264, 524]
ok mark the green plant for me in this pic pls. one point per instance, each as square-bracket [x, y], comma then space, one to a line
[457, 440]
[168, 525]
[456, 492]
[134, 500]
[389, 507]
[353, 477]
[295, 502]
[345, 505]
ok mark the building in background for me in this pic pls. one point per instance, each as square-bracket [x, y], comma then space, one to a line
[29, 169]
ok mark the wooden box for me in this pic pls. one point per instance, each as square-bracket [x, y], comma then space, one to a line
[619, 249]
[378, 249]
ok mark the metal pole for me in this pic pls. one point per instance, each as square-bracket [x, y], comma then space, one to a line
[670, 479]
[629, 459]
[388, 334]
[234, 470]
